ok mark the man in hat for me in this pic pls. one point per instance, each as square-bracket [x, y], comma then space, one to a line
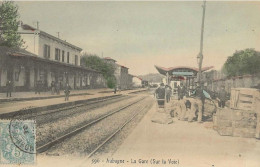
[160, 94]
[67, 91]
[9, 87]
[222, 97]
[198, 103]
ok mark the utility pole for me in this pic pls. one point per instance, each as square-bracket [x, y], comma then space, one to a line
[200, 56]
[58, 34]
[37, 23]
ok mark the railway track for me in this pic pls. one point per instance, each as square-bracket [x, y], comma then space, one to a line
[49, 116]
[115, 132]
[83, 108]
[43, 147]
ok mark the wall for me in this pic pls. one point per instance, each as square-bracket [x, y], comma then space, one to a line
[3, 77]
[55, 44]
[31, 43]
[238, 82]
[137, 82]
[21, 77]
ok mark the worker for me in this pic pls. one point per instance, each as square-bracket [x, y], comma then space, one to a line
[67, 91]
[168, 90]
[9, 88]
[222, 97]
[197, 107]
[160, 95]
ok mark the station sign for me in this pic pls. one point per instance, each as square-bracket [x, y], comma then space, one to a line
[183, 73]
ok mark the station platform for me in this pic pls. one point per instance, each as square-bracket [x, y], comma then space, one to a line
[50, 102]
[23, 96]
[186, 145]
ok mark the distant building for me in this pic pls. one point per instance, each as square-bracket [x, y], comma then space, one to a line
[130, 81]
[124, 80]
[137, 82]
[46, 59]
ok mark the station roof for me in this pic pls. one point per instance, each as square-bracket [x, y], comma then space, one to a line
[181, 70]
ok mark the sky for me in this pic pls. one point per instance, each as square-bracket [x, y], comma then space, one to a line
[140, 35]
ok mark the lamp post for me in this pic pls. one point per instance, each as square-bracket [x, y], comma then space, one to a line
[200, 56]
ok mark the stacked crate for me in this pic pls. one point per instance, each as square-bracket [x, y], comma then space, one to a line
[242, 118]
[257, 134]
[222, 121]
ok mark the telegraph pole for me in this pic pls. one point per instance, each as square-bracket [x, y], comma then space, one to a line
[200, 56]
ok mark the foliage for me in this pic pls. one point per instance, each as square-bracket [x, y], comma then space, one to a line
[94, 62]
[242, 62]
[152, 77]
[9, 25]
[111, 82]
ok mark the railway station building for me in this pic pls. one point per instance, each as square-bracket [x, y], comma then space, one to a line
[46, 58]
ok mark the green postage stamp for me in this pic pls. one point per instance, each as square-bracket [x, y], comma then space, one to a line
[17, 142]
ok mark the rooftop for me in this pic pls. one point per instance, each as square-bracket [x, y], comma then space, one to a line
[30, 28]
[109, 58]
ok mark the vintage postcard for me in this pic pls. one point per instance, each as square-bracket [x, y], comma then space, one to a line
[130, 83]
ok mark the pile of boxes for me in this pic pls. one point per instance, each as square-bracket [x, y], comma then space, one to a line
[242, 119]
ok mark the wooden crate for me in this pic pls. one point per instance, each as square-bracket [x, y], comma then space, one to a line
[225, 131]
[234, 122]
[244, 98]
[257, 131]
[244, 132]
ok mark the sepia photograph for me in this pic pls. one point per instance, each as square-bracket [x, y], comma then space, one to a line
[129, 83]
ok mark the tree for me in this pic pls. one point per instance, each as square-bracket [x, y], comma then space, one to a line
[242, 62]
[9, 25]
[94, 62]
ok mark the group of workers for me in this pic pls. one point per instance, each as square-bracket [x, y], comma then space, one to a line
[188, 107]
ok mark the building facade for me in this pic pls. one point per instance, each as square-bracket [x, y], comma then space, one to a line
[47, 59]
[123, 78]
[137, 82]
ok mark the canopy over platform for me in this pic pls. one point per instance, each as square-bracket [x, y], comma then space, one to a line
[181, 71]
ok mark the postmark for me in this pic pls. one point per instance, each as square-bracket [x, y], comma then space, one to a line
[17, 142]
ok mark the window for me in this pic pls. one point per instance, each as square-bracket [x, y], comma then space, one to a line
[57, 54]
[46, 51]
[76, 60]
[68, 57]
[63, 55]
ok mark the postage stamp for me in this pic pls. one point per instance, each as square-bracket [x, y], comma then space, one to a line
[17, 142]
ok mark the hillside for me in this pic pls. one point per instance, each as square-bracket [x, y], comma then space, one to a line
[156, 77]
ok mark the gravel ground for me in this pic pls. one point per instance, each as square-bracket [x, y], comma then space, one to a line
[45, 114]
[48, 132]
[89, 139]
[110, 148]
